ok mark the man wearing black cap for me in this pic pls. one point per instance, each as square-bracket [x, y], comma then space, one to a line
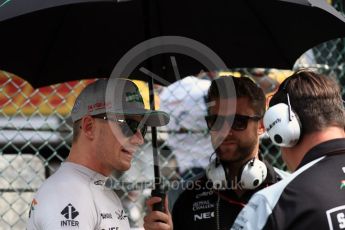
[109, 123]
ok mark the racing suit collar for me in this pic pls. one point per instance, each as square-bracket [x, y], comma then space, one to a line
[334, 146]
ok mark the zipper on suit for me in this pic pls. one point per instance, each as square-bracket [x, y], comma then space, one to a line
[217, 212]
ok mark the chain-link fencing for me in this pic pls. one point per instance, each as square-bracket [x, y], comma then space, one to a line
[36, 133]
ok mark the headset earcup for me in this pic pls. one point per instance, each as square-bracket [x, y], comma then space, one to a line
[216, 173]
[280, 129]
[254, 172]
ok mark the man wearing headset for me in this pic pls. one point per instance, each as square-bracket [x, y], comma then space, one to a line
[213, 200]
[307, 119]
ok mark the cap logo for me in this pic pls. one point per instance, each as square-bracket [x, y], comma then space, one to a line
[133, 97]
[97, 106]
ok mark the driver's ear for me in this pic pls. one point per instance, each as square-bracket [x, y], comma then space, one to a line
[261, 127]
[87, 126]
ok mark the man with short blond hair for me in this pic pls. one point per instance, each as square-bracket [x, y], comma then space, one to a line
[110, 121]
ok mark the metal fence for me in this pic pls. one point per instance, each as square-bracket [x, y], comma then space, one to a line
[36, 134]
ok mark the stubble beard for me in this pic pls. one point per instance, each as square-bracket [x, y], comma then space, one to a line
[241, 153]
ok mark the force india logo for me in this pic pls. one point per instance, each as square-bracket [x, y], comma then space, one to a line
[336, 218]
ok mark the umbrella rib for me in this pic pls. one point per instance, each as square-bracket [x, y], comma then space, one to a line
[4, 3]
[154, 76]
[175, 68]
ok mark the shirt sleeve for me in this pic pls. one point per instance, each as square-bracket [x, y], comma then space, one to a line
[62, 213]
[254, 215]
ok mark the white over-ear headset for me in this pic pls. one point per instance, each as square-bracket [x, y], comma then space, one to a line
[251, 176]
[216, 173]
[282, 124]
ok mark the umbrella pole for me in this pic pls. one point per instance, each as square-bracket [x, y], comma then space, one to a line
[158, 189]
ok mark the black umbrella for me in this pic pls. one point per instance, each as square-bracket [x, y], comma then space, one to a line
[83, 40]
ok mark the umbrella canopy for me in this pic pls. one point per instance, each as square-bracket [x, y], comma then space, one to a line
[46, 44]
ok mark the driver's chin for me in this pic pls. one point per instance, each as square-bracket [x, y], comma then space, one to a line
[123, 169]
[124, 166]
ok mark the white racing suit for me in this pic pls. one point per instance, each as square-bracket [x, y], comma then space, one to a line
[76, 197]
